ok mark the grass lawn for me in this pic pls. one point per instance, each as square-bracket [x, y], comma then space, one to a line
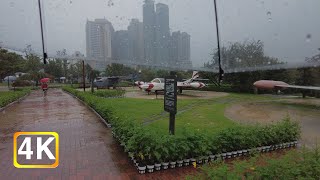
[202, 115]
[6, 97]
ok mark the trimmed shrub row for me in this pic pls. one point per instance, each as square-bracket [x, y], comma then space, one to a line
[149, 148]
[109, 93]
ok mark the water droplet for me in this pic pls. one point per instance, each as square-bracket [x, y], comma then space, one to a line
[110, 3]
[70, 2]
[319, 49]
[308, 37]
[269, 62]
[12, 4]
[269, 16]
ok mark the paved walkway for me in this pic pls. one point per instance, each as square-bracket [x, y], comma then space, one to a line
[87, 149]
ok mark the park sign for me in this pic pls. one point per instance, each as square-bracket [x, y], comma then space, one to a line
[170, 100]
[170, 94]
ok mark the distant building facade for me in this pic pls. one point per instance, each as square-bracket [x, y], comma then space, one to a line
[180, 52]
[99, 40]
[162, 34]
[149, 26]
[136, 42]
[120, 46]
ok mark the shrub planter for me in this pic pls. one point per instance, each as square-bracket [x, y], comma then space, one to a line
[109, 125]
[142, 169]
[292, 144]
[157, 166]
[186, 162]
[199, 161]
[192, 160]
[173, 164]
[206, 159]
[264, 149]
[245, 152]
[234, 154]
[281, 146]
[180, 163]
[212, 157]
[224, 155]
[240, 153]
[218, 156]
[165, 165]
[295, 143]
[229, 155]
[259, 149]
[150, 168]
[268, 148]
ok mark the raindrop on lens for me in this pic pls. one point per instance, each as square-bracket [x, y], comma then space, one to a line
[269, 16]
[11, 4]
[308, 37]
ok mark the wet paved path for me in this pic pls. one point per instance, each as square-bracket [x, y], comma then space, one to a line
[87, 149]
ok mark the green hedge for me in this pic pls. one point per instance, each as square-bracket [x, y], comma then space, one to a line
[148, 147]
[297, 164]
[109, 93]
[7, 97]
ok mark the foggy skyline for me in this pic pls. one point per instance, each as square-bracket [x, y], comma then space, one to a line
[283, 26]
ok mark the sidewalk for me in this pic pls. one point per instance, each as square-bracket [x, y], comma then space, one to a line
[87, 149]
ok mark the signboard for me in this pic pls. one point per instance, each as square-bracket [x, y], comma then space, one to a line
[170, 94]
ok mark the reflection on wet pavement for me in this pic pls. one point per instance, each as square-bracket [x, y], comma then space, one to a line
[87, 149]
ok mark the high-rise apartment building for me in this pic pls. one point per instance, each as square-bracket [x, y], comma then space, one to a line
[180, 50]
[98, 40]
[136, 42]
[149, 25]
[120, 46]
[162, 34]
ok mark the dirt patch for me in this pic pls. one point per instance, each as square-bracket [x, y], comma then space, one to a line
[269, 112]
[187, 94]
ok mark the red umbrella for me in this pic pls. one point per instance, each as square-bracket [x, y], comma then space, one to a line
[44, 80]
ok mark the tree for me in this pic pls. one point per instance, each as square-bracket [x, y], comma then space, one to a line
[55, 68]
[10, 63]
[119, 70]
[243, 55]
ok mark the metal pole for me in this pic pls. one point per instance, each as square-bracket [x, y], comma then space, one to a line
[92, 88]
[8, 82]
[45, 56]
[221, 72]
[83, 77]
[172, 123]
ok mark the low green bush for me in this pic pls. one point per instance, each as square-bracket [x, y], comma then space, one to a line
[149, 147]
[296, 164]
[109, 93]
[10, 96]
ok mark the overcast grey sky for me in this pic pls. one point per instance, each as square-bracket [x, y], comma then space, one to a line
[283, 25]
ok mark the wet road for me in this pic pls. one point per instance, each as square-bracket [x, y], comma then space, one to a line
[87, 149]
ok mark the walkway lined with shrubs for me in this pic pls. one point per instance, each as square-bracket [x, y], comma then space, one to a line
[87, 148]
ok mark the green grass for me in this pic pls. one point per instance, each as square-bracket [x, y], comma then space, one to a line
[201, 115]
[295, 164]
[10, 96]
[204, 116]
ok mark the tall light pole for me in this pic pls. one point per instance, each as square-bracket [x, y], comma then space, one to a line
[45, 56]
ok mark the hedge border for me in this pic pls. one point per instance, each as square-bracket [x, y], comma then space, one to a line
[94, 111]
[14, 102]
[198, 160]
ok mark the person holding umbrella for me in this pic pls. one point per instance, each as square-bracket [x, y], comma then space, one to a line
[44, 85]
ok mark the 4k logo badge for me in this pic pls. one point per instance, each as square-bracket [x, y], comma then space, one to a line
[36, 150]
